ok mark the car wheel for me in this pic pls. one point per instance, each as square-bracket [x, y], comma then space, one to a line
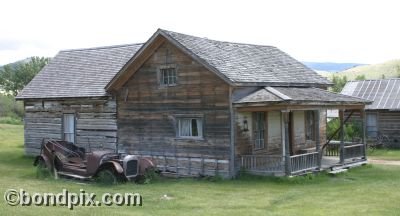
[106, 176]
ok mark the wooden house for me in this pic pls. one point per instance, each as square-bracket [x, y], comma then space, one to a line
[67, 100]
[383, 115]
[196, 106]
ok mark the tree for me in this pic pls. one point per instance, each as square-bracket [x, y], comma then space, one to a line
[13, 78]
[338, 83]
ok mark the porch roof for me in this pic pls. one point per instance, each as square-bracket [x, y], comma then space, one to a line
[298, 96]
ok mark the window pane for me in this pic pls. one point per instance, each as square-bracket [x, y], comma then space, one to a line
[69, 127]
[185, 127]
[190, 127]
[194, 128]
[259, 130]
[168, 76]
[372, 129]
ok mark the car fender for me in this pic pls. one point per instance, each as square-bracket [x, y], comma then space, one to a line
[145, 164]
[113, 164]
[44, 158]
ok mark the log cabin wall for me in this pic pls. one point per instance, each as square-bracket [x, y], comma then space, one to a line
[389, 125]
[148, 112]
[95, 120]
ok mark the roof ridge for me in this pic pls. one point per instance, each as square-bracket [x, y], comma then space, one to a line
[277, 93]
[220, 41]
[392, 78]
[100, 47]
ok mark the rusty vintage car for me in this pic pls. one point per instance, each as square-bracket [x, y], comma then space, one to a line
[63, 158]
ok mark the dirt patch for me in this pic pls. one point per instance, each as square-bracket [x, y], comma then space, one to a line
[385, 162]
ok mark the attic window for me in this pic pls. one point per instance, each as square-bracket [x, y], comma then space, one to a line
[168, 76]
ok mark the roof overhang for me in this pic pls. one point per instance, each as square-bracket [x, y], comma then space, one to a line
[280, 98]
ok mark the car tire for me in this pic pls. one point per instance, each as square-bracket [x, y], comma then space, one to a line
[107, 176]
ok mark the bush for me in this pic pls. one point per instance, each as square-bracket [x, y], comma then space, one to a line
[352, 130]
[11, 111]
[10, 120]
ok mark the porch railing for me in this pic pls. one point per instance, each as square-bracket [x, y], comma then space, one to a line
[354, 151]
[304, 162]
[262, 163]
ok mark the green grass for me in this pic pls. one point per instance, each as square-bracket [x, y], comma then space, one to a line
[10, 120]
[368, 190]
[384, 154]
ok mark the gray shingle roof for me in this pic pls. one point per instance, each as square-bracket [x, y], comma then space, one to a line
[385, 94]
[246, 63]
[295, 95]
[79, 73]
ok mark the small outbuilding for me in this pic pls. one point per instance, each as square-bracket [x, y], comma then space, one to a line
[383, 115]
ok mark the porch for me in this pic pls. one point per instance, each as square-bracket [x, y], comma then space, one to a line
[354, 154]
[290, 137]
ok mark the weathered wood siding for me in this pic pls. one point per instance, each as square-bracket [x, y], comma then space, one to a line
[244, 142]
[389, 125]
[147, 112]
[95, 122]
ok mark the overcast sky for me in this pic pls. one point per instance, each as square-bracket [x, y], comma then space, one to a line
[322, 30]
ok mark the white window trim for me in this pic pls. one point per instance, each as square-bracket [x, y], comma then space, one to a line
[200, 130]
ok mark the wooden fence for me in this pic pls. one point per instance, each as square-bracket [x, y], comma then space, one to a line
[303, 162]
[354, 151]
[262, 164]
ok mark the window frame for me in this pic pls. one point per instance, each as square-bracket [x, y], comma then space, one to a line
[161, 78]
[63, 132]
[368, 126]
[260, 135]
[200, 131]
[308, 124]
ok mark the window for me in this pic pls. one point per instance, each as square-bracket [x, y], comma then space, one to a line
[310, 125]
[259, 130]
[69, 127]
[372, 129]
[168, 76]
[190, 127]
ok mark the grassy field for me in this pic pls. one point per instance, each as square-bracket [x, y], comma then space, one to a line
[383, 154]
[388, 69]
[368, 190]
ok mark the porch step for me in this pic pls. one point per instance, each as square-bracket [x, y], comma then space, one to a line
[337, 171]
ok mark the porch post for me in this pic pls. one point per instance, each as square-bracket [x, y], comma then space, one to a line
[285, 114]
[364, 131]
[317, 117]
[341, 133]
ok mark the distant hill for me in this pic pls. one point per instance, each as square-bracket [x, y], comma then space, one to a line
[330, 66]
[388, 69]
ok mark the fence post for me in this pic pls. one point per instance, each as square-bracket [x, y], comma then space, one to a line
[317, 138]
[364, 131]
[341, 118]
